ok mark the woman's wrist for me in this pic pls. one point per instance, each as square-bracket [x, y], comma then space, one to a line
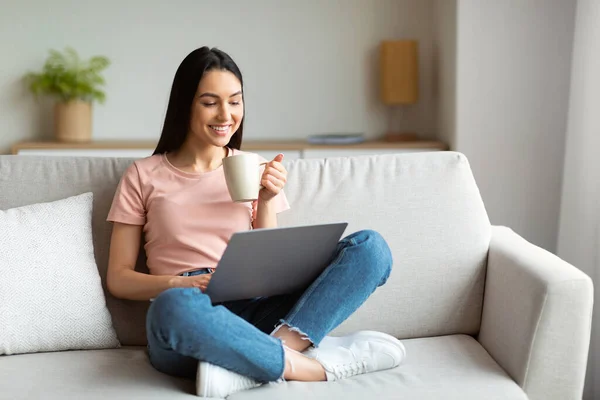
[264, 203]
[174, 282]
[265, 215]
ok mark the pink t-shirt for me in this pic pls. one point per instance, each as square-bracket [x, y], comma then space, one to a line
[188, 218]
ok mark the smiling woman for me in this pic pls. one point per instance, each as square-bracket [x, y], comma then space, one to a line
[177, 201]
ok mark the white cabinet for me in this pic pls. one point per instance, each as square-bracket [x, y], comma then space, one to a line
[337, 152]
[134, 153]
[126, 153]
[292, 150]
[288, 155]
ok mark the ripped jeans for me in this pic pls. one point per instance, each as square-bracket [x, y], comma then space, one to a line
[183, 326]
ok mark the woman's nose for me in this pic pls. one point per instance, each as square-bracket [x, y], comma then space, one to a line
[224, 112]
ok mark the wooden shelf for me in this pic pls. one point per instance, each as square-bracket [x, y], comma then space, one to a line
[96, 145]
[249, 145]
[371, 144]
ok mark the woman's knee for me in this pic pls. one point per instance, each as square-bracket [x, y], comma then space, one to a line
[377, 252]
[173, 306]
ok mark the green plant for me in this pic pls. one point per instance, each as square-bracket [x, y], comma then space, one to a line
[67, 77]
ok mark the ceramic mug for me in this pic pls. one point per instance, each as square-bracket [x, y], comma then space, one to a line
[242, 175]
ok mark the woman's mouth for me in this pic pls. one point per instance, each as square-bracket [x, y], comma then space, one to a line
[221, 130]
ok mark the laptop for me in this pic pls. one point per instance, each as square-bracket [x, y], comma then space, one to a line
[270, 262]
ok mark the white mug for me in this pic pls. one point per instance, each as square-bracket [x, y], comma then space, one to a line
[242, 175]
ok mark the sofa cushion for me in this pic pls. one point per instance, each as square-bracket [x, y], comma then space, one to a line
[50, 292]
[451, 367]
[115, 374]
[442, 368]
[35, 179]
[428, 207]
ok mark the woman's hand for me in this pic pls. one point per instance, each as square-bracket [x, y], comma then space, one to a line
[194, 281]
[273, 179]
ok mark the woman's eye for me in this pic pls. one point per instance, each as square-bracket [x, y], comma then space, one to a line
[235, 103]
[210, 104]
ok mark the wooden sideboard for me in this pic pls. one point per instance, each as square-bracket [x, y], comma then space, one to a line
[267, 148]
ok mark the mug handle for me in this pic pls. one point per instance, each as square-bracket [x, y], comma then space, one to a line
[260, 187]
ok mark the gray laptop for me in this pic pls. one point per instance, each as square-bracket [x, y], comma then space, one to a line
[269, 262]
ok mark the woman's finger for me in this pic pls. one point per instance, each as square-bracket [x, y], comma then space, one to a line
[271, 187]
[276, 174]
[278, 158]
[278, 166]
[279, 183]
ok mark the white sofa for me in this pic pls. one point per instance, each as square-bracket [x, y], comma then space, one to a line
[483, 313]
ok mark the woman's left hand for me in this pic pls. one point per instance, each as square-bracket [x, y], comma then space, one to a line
[273, 179]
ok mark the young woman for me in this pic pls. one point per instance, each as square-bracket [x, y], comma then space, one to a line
[177, 200]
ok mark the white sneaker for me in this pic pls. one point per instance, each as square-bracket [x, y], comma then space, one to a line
[214, 381]
[358, 353]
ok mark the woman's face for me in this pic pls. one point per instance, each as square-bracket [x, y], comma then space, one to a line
[218, 108]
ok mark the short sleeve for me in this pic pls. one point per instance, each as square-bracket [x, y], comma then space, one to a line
[281, 202]
[128, 203]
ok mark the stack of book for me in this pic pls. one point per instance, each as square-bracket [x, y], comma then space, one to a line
[336, 138]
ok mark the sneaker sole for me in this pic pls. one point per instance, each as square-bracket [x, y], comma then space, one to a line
[380, 336]
[202, 383]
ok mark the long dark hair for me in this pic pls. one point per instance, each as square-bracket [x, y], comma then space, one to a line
[183, 91]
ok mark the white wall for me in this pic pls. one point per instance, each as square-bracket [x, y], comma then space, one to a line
[513, 67]
[309, 66]
[444, 56]
[579, 234]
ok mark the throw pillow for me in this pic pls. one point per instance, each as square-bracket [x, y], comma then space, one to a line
[51, 296]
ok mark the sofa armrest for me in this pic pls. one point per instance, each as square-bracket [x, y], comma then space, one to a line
[537, 317]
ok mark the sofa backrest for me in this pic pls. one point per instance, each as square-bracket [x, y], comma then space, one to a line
[429, 209]
[426, 205]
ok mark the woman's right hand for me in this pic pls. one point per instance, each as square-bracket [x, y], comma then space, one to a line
[194, 281]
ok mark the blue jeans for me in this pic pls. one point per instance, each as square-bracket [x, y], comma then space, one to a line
[183, 326]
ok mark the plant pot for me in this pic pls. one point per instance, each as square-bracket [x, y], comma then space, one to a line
[73, 121]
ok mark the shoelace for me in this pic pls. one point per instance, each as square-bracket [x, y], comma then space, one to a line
[347, 370]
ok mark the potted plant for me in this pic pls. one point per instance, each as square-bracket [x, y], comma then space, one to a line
[76, 84]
